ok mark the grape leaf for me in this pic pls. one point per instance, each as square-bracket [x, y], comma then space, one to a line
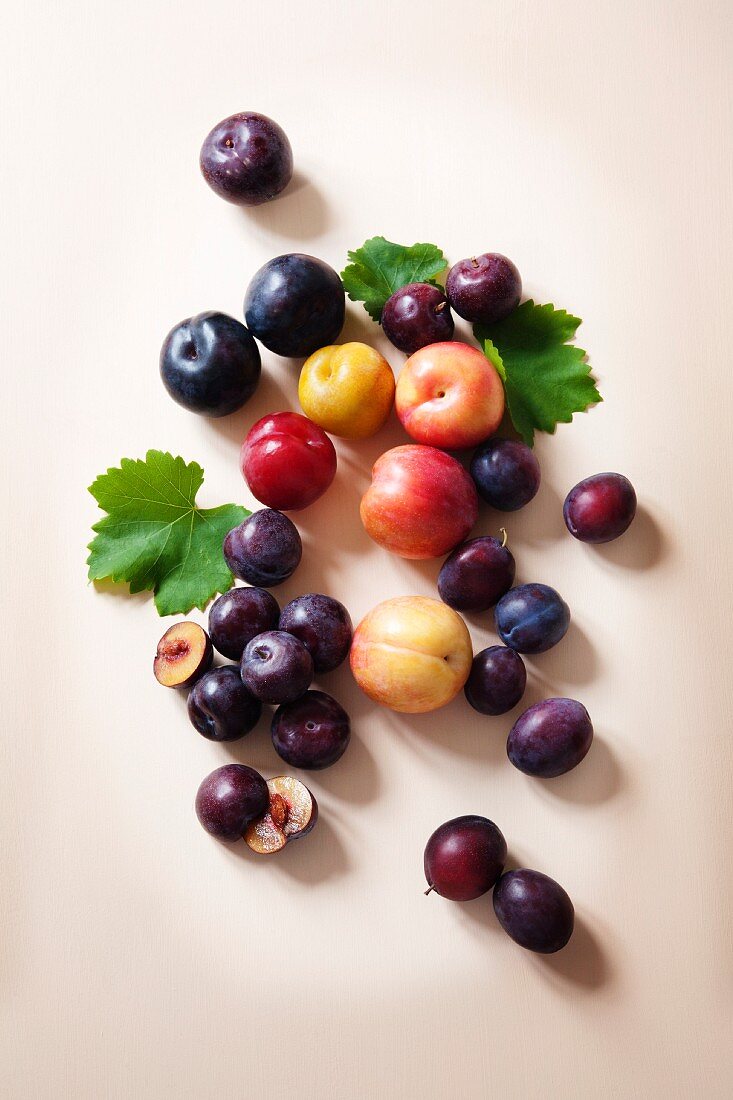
[546, 379]
[155, 537]
[380, 267]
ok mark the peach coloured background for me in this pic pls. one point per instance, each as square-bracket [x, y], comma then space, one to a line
[138, 958]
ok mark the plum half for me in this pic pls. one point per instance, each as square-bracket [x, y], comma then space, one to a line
[184, 654]
[293, 811]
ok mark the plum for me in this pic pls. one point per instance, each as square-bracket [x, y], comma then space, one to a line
[506, 474]
[295, 304]
[240, 615]
[291, 814]
[184, 653]
[229, 798]
[264, 550]
[550, 738]
[532, 618]
[496, 681]
[247, 159]
[210, 364]
[484, 288]
[276, 667]
[220, 707]
[464, 857]
[311, 732]
[600, 508]
[476, 574]
[416, 315]
[534, 910]
[323, 625]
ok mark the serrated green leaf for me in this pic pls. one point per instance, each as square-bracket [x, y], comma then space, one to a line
[546, 379]
[155, 537]
[380, 267]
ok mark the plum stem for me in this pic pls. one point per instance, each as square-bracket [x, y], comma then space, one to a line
[474, 261]
[502, 531]
[426, 892]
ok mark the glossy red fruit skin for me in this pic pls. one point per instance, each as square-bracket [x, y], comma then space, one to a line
[464, 857]
[600, 508]
[287, 461]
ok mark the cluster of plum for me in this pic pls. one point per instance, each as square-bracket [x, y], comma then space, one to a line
[277, 653]
[412, 654]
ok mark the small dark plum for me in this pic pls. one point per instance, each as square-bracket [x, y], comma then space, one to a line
[247, 159]
[496, 681]
[484, 289]
[550, 738]
[276, 667]
[295, 304]
[324, 627]
[464, 858]
[476, 574]
[264, 550]
[229, 798]
[311, 732]
[416, 315]
[220, 707]
[210, 364]
[600, 508]
[184, 654]
[240, 615]
[532, 618]
[534, 910]
[506, 474]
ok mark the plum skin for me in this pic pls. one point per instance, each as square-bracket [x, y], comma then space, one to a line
[484, 289]
[239, 615]
[265, 549]
[532, 618]
[229, 798]
[312, 732]
[295, 304]
[324, 627]
[287, 461]
[416, 315]
[247, 159]
[496, 681]
[600, 508]
[550, 738]
[506, 474]
[276, 667]
[220, 707]
[464, 857]
[534, 910]
[210, 364]
[476, 574]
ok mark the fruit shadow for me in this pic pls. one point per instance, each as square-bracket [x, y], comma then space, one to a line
[583, 963]
[482, 738]
[270, 395]
[300, 212]
[314, 858]
[111, 588]
[643, 546]
[572, 661]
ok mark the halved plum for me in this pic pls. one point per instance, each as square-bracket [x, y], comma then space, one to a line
[292, 813]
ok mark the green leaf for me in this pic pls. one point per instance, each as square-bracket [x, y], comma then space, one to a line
[155, 537]
[546, 379]
[379, 268]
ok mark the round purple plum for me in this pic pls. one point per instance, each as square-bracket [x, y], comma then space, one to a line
[264, 550]
[240, 615]
[534, 910]
[323, 625]
[247, 159]
[532, 618]
[416, 315]
[210, 364]
[295, 304]
[484, 289]
[476, 574]
[496, 681]
[506, 473]
[312, 732]
[600, 508]
[464, 857]
[550, 738]
[229, 798]
[221, 708]
[276, 667]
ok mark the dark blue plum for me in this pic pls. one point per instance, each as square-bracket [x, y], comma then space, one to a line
[506, 474]
[484, 289]
[496, 681]
[534, 910]
[264, 550]
[476, 574]
[311, 732]
[295, 304]
[323, 625]
[210, 364]
[276, 667]
[221, 708]
[531, 618]
[240, 615]
[600, 508]
[229, 798]
[247, 159]
[416, 315]
[550, 738]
